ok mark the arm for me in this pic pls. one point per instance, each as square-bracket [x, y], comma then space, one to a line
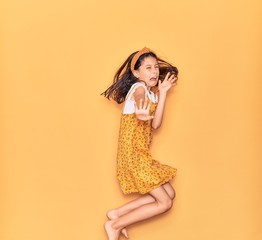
[163, 87]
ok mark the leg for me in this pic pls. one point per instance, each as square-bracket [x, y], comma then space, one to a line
[130, 206]
[170, 190]
[161, 204]
[145, 199]
[116, 213]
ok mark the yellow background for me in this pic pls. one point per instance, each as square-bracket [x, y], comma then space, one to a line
[59, 136]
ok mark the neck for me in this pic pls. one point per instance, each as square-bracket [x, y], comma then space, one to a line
[148, 88]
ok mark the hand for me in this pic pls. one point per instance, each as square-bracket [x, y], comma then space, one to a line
[143, 110]
[169, 81]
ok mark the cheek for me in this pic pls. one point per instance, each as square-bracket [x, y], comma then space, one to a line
[145, 75]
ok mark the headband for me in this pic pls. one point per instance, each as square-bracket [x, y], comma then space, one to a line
[137, 56]
[134, 60]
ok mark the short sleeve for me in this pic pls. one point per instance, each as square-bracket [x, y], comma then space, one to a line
[129, 106]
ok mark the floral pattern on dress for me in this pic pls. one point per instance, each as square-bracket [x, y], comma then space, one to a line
[136, 170]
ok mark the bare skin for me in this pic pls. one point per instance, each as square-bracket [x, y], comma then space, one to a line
[156, 202]
[144, 199]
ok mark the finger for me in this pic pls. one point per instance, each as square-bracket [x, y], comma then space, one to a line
[172, 77]
[145, 103]
[167, 76]
[174, 80]
[135, 106]
[140, 103]
[149, 105]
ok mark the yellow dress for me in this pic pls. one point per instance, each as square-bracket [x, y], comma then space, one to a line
[136, 170]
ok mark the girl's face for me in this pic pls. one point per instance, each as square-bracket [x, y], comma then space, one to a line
[148, 71]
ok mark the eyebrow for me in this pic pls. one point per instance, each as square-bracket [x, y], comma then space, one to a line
[151, 65]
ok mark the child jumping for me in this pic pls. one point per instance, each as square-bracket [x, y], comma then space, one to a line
[142, 83]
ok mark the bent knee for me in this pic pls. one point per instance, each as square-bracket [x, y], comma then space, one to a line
[170, 190]
[166, 205]
[173, 194]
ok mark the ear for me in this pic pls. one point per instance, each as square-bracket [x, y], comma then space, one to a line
[136, 74]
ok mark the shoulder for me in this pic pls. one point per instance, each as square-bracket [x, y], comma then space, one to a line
[140, 90]
[137, 88]
[139, 85]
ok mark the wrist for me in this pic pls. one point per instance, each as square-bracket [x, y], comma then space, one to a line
[162, 93]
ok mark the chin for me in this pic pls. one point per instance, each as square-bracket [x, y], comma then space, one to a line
[153, 84]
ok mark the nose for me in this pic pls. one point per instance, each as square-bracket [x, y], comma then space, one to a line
[154, 71]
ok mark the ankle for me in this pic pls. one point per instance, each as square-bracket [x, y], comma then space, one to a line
[115, 225]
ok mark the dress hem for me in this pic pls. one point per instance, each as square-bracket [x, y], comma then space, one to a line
[151, 188]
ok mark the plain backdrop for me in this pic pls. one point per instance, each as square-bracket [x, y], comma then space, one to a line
[59, 136]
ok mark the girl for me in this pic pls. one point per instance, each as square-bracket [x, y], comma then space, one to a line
[142, 83]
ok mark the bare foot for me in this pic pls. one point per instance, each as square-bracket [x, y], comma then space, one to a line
[112, 233]
[113, 215]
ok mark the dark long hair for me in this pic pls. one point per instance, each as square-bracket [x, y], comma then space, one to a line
[124, 80]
